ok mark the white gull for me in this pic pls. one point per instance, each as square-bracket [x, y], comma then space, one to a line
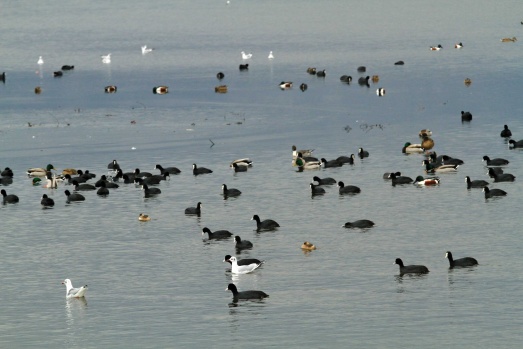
[106, 59]
[71, 292]
[246, 55]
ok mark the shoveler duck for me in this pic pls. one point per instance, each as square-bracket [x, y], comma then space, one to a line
[221, 89]
[467, 82]
[458, 45]
[110, 89]
[430, 168]
[420, 181]
[409, 148]
[39, 171]
[427, 143]
[436, 48]
[512, 39]
[285, 85]
[506, 133]
[307, 246]
[160, 90]
[380, 92]
[144, 218]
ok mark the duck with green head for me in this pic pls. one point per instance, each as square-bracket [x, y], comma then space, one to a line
[39, 171]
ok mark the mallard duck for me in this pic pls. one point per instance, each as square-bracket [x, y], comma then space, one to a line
[427, 143]
[284, 85]
[512, 39]
[39, 171]
[110, 89]
[160, 90]
[303, 152]
[461, 262]
[36, 181]
[306, 165]
[144, 218]
[430, 168]
[221, 89]
[307, 246]
[239, 168]
[242, 162]
[423, 182]
[412, 148]
[51, 182]
[69, 171]
[424, 132]
[436, 48]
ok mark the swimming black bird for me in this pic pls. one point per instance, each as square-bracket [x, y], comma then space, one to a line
[411, 269]
[461, 262]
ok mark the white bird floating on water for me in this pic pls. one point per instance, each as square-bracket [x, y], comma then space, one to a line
[40, 60]
[106, 59]
[243, 266]
[246, 55]
[146, 50]
[71, 292]
[271, 56]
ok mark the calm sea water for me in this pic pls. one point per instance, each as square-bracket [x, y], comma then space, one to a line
[160, 284]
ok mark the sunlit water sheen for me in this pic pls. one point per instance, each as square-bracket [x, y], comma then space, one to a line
[159, 284]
